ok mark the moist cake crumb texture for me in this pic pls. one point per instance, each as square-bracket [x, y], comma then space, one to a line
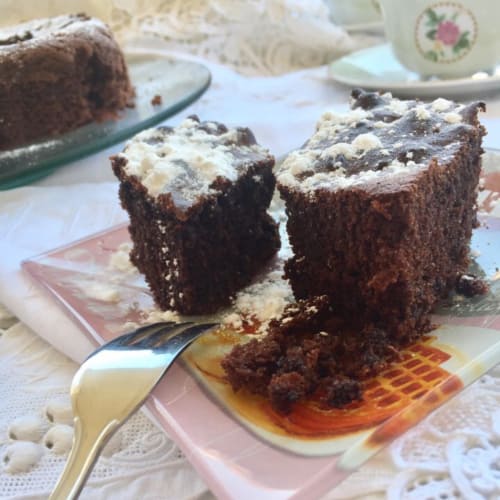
[381, 202]
[308, 352]
[197, 196]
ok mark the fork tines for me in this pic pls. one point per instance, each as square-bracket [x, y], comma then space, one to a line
[155, 335]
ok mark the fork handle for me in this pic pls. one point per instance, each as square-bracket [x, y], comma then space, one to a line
[87, 444]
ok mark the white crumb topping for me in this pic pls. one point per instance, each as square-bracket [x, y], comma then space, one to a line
[397, 106]
[366, 142]
[341, 148]
[334, 180]
[356, 115]
[324, 162]
[452, 117]
[421, 112]
[300, 161]
[186, 161]
[441, 104]
[264, 301]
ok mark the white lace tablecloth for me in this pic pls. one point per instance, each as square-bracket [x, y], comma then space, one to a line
[139, 462]
[453, 454]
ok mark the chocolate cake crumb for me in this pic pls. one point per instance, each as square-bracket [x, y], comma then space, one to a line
[309, 351]
[157, 100]
[343, 391]
[469, 285]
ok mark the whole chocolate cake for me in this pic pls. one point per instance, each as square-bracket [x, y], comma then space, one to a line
[197, 196]
[381, 203]
[56, 75]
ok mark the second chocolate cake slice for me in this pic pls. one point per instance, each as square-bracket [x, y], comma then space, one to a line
[381, 204]
[197, 196]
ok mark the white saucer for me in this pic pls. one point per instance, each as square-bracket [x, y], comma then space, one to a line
[376, 68]
[371, 28]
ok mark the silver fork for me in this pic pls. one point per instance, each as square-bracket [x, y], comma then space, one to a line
[111, 385]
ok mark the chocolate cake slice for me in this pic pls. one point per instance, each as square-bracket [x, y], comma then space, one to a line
[57, 74]
[381, 203]
[197, 196]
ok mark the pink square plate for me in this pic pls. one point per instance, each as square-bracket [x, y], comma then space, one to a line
[237, 443]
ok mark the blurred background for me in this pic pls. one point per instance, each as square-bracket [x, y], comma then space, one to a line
[255, 37]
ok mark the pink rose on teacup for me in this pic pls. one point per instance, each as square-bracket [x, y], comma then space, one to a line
[448, 33]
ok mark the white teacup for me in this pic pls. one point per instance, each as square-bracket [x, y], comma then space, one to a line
[445, 39]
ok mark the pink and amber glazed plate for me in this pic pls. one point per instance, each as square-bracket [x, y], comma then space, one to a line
[238, 443]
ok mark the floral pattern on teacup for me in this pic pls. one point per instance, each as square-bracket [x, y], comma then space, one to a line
[445, 32]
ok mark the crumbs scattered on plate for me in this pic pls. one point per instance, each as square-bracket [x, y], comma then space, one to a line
[157, 100]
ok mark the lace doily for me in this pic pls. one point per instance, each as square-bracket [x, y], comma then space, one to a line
[255, 37]
[34, 432]
[452, 455]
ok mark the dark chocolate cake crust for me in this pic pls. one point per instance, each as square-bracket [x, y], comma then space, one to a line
[200, 233]
[381, 204]
[56, 75]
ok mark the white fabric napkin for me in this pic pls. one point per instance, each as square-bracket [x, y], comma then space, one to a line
[34, 220]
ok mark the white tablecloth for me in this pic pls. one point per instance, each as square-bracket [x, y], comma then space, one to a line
[80, 199]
